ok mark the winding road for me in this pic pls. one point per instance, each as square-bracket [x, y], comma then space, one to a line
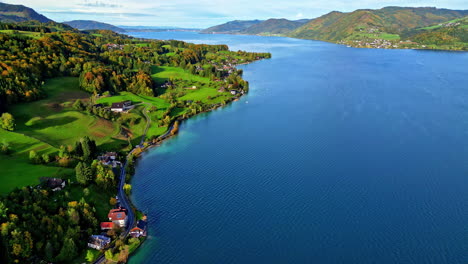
[123, 198]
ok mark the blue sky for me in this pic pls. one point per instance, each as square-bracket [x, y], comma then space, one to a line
[205, 13]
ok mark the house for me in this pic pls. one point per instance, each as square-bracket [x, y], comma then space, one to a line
[107, 225]
[55, 184]
[110, 158]
[98, 242]
[118, 216]
[122, 106]
[233, 92]
[139, 230]
[222, 90]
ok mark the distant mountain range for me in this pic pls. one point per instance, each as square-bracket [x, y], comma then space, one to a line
[381, 28]
[90, 24]
[19, 13]
[271, 26]
[336, 26]
[232, 27]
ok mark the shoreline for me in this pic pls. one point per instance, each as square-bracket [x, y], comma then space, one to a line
[147, 145]
[337, 43]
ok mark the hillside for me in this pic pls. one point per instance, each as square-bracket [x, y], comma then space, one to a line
[386, 23]
[274, 26]
[19, 13]
[90, 24]
[450, 33]
[231, 27]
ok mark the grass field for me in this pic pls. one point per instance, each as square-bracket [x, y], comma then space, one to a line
[54, 121]
[17, 168]
[44, 126]
[35, 35]
[161, 74]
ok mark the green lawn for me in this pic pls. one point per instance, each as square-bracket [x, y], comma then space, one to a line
[161, 74]
[54, 121]
[44, 126]
[17, 171]
[35, 35]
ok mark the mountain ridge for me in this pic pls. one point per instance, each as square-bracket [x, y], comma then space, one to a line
[20, 13]
[92, 24]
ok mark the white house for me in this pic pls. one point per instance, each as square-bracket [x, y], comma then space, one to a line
[118, 217]
[122, 106]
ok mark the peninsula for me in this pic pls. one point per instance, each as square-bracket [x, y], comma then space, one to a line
[77, 109]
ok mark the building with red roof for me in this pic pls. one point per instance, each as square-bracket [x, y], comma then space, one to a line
[118, 216]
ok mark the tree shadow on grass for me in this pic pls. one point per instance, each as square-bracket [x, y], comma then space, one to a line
[51, 122]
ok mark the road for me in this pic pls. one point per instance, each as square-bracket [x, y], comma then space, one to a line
[123, 199]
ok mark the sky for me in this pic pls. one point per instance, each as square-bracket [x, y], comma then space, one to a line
[206, 13]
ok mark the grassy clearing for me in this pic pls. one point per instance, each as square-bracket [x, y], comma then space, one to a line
[52, 120]
[30, 34]
[44, 126]
[162, 74]
[16, 166]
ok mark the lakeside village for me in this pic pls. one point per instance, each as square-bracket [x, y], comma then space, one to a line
[119, 216]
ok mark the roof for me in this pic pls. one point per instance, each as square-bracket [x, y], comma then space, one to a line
[105, 225]
[141, 224]
[117, 105]
[99, 239]
[136, 229]
[117, 214]
[53, 182]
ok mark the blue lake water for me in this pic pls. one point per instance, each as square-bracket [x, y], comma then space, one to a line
[337, 155]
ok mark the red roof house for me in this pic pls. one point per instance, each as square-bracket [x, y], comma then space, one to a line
[107, 225]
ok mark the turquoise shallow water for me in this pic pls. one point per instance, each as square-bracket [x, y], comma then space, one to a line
[337, 155]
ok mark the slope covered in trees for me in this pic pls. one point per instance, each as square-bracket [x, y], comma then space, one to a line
[232, 27]
[274, 27]
[337, 26]
[19, 13]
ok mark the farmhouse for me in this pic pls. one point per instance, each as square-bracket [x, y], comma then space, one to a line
[122, 106]
[110, 158]
[55, 184]
[98, 242]
[118, 216]
[139, 230]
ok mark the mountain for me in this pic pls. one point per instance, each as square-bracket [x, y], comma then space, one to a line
[90, 24]
[274, 26]
[387, 22]
[232, 27]
[19, 13]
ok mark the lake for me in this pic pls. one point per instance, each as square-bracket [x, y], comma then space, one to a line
[337, 155]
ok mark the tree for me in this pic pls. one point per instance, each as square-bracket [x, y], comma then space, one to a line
[78, 105]
[127, 188]
[3, 210]
[7, 121]
[112, 202]
[5, 148]
[83, 173]
[34, 157]
[89, 256]
[68, 251]
[46, 158]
